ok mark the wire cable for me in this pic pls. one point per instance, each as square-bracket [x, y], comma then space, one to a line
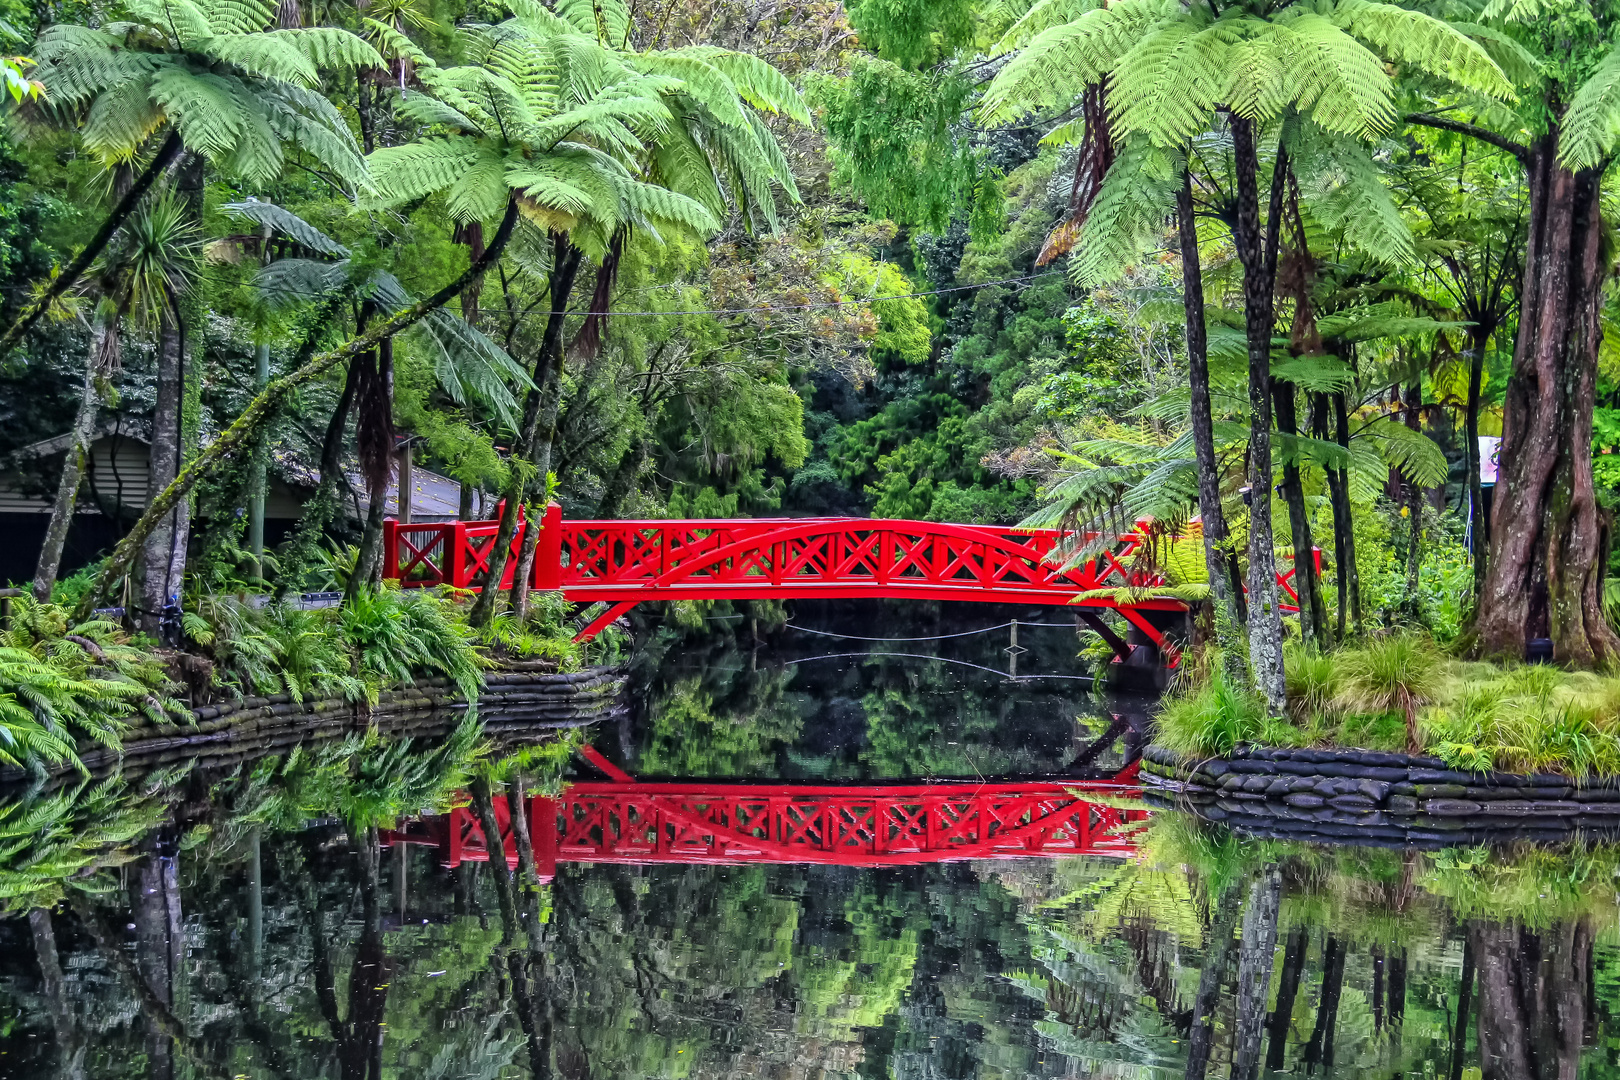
[941, 659]
[933, 637]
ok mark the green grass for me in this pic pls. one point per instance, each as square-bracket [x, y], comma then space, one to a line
[1398, 693]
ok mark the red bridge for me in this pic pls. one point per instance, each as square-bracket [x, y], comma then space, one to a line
[626, 562]
[630, 822]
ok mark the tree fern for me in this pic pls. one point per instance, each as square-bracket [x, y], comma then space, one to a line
[1345, 193]
[1136, 200]
[1428, 44]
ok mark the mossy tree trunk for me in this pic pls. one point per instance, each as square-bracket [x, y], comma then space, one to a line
[1544, 576]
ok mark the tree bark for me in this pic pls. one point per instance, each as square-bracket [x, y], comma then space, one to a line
[1258, 253]
[1414, 505]
[622, 484]
[1312, 609]
[368, 564]
[1478, 527]
[73, 465]
[1546, 527]
[484, 807]
[1465, 990]
[1217, 540]
[268, 401]
[1319, 1051]
[1255, 957]
[1344, 528]
[1532, 999]
[1282, 1016]
[157, 584]
[565, 259]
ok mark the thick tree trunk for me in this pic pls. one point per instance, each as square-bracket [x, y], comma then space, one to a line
[1544, 575]
[1532, 999]
[622, 484]
[1255, 957]
[159, 944]
[565, 260]
[1312, 609]
[1465, 991]
[1258, 253]
[73, 465]
[157, 582]
[1217, 543]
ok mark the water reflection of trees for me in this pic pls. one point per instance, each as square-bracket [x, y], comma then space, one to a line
[252, 925]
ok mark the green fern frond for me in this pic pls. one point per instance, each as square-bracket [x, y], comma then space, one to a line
[606, 20]
[1348, 197]
[1412, 452]
[284, 222]
[1314, 374]
[1591, 125]
[1331, 77]
[1063, 59]
[331, 48]
[1426, 43]
[207, 109]
[415, 170]
[755, 81]
[1133, 206]
[239, 16]
[1042, 16]
[1170, 82]
[268, 56]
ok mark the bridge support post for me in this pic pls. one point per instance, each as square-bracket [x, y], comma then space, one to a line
[548, 551]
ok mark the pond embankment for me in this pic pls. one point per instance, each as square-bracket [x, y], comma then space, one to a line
[515, 700]
[1386, 799]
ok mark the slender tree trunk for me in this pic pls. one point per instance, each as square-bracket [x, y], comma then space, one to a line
[264, 406]
[1282, 1016]
[159, 946]
[257, 491]
[73, 466]
[1258, 253]
[1478, 527]
[1255, 957]
[484, 806]
[70, 1047]
[1414, 506]
[360, 1056]
[1544, 575]
[1312, 609]
[156, 582]
[565, 259]
[1217, 540]
[98, 243]
[1319, 1051]
[1217, 959]
[368, 564]
[1459, 1027]
[1344, 528]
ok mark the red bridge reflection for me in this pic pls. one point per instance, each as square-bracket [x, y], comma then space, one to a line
[892, 825]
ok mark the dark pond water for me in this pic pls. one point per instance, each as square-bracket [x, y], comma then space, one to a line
[251, 922]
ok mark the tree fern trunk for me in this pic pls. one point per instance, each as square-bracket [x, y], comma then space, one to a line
[73, 464]
[1228, 617]
[1478, 527]
[547, 375]
[1255, 957]
[1546, 528]
[1312, 611]
[1212, 977]
[157, 557]
[1344, 528]
[1258, 253]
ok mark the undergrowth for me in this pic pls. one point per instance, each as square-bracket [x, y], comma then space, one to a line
[1399, 693]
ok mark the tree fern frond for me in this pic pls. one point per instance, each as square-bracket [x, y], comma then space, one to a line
[204, 107]
[265, 55]
[1347, 196]
[1333, 78]
[1170, 82]
[660, 205]
[415, 170]
[1591, 125]
[1042, 16]
[606, 20]
[1423, 42]
[240, 16]
[1063, 59]
[428, 110]
[758, 83]
[331, 48]
[308, 121]
[286, 223]
[1518, 63]
[1412, 452]
[182, 18]
[256, 156]
[1136, 200]
[1314, 374]
[702, 83]
[480, 192]
[120, 121]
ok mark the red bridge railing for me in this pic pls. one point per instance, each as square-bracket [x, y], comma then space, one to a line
[627, 562]
[630, 822]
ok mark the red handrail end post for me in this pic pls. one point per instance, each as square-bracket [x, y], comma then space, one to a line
[548, 551]
[390, 548]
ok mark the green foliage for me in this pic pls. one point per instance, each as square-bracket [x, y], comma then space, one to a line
[912, 33]
[1212, 720]
[60, 681]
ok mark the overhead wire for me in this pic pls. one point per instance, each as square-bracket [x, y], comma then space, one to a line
[942, 659]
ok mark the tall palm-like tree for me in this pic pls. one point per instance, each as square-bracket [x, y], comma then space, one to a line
[1290, 74]
[141, 278]
[589, 140]
[210, 79]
